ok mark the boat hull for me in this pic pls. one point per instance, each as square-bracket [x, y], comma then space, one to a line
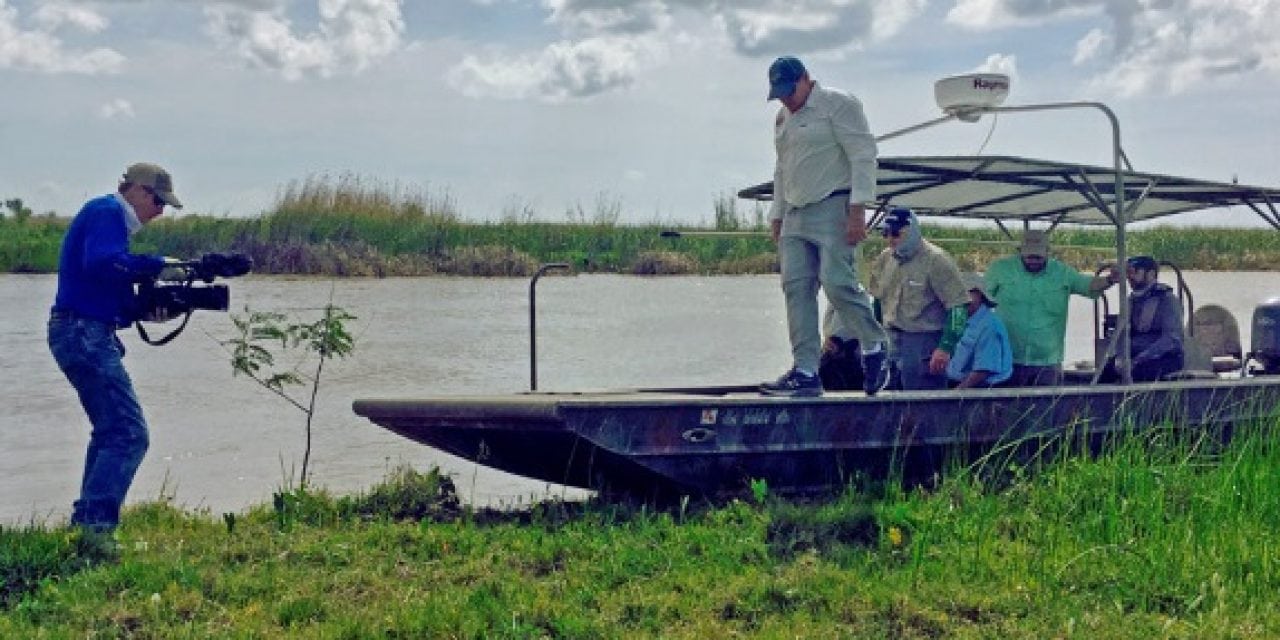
[720, 441]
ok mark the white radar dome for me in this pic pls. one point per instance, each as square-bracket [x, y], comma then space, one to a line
[957, 95]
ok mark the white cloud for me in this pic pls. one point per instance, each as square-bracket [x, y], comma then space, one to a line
[999, 63]
[609, 42]
[117, 108]
[1180, 44]
[771, 28]
[609, 16]
[1165, 46]
[1090, 46]
[351, 35]
[55, 14]
[999, 14]
[41, 51]
[562, 70]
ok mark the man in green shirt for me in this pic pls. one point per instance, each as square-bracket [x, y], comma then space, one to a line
[1032, 290]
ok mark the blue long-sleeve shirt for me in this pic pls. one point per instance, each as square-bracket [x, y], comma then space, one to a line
[984, 346]
[96, 272]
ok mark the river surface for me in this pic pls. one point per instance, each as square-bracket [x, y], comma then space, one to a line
[222, 443]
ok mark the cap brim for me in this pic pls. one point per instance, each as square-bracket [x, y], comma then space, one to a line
[170, 199]
[781, 90]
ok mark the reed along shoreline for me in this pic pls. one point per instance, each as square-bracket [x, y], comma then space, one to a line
[349, 227]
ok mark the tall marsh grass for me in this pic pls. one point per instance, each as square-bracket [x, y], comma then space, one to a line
[347, 225]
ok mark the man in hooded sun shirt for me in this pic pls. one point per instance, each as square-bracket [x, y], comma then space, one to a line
[922, 295]
[825, 171]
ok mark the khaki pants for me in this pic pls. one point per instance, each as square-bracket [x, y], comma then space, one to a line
[813, 252]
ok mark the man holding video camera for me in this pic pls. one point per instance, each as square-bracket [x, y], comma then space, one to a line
[96, 277]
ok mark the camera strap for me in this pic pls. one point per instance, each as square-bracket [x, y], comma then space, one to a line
[142, 333]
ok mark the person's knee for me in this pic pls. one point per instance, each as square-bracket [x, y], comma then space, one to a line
[800, 287]
[133, 438]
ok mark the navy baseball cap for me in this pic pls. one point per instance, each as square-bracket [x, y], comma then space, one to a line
[1146, 263]
[896, 220]
[784, 73]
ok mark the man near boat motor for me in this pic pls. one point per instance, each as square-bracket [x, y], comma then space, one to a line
[1032, 290]
[95, 297]
[1155, 325]
[922, 297]
[983, 357]
[825, 171]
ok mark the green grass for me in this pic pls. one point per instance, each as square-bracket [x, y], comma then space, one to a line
[348, 226]
[1162, 535]
[30, 245]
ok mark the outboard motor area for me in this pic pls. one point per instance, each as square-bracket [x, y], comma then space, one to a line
[1265, 343]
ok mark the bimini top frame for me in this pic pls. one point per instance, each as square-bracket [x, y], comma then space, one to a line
[1008, 188]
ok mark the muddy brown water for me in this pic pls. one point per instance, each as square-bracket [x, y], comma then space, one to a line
[222, 443]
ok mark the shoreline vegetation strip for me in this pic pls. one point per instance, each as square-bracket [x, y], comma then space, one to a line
[350, 227]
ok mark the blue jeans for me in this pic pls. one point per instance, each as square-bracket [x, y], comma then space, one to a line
[89, 354]
[813, 251]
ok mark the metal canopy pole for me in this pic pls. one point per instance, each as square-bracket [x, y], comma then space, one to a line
[1120, 215]
[533, 321]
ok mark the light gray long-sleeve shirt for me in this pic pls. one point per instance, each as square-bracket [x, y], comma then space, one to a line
[824, 146]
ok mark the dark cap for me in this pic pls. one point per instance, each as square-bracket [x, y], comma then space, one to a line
[894, 221]
[784, 73]
[1146, 263]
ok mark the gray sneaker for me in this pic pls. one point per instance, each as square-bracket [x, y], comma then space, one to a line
[875, 372]
[793, 383]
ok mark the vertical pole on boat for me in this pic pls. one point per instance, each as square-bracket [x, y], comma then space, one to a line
[533, 321]
[1123, 365]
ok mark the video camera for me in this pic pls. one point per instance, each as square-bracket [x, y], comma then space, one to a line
[185, 286]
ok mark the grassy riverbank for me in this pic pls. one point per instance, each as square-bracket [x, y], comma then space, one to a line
[1158, 537]
[347, 227]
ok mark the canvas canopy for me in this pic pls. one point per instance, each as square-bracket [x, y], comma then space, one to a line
[1008, 188]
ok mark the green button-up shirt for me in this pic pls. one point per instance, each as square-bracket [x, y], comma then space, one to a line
[1033, 306]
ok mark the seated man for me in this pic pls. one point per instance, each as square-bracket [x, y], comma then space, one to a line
[1155, 325]
[983, 357]
[841, 365]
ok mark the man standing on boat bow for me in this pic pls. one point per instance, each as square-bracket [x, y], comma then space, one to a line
[1032, 291]
[825, 172]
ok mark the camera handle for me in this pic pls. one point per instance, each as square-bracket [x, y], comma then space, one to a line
[142, 333]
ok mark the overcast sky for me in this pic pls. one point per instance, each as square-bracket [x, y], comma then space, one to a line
[656, 106]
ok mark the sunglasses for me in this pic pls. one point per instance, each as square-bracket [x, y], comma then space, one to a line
[155, 197]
